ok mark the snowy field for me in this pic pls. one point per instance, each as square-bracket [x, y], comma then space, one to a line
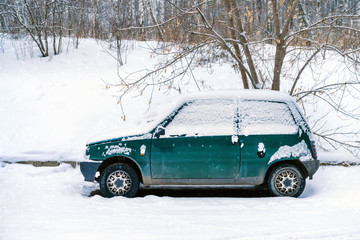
[53, 203]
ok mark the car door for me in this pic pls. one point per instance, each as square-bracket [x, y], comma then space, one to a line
[199, 143]
[264, 127]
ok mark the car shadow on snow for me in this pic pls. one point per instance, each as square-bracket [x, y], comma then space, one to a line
[240, 192]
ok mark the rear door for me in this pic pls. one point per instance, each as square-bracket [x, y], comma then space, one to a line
[199, 143]
[264, 127]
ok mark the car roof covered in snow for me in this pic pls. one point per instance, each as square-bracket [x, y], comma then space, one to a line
[161, 110]
[267, 95]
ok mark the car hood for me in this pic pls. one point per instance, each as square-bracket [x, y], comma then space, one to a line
[122, 134]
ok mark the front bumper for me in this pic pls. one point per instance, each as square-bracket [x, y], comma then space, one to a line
[89, 169]
[311, 167]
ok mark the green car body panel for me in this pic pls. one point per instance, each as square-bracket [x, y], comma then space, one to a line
[213, 157]
[119, 149]
[252, 166]
[233, 158]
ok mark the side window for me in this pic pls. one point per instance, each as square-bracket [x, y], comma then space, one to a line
[263, 117]
[205, 117]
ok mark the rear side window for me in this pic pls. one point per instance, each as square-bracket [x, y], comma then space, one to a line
[204, 117]
[264, 117]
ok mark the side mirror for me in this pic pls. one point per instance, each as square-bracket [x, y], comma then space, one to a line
[159, 132]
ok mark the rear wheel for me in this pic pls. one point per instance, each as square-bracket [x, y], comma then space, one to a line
[286, 180]
[119, 180]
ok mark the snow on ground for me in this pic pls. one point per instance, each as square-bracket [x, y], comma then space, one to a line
[50, 107]
[54, 203]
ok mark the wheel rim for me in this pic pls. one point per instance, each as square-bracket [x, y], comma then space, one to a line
[119, 182]
[287, 182]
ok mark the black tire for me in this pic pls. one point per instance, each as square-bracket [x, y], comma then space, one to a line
[119, 179]
[286, 180]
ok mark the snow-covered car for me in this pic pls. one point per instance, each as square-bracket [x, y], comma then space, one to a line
[250, 137]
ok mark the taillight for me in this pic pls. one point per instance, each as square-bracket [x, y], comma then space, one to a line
[313, 150]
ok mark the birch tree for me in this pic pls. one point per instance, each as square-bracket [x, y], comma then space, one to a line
[141, 19]
[153, 19]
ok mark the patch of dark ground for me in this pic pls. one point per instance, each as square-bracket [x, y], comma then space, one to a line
[45, 163]
[199, 192]
[344, 164]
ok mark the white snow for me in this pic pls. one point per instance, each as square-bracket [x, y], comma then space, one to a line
[115, 149]
[135, 132]
[234, 139]
[205, 117]
[261, 147]
[259, 129]
[53, 203]
[263, 117]
[299, 150]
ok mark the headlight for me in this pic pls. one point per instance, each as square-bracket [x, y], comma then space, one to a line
[87, 151]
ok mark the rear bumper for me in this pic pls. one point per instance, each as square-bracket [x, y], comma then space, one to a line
[311, 167]
[89, 169]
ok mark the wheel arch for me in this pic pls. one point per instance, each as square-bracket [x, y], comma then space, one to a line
[121, 159]
[297, 163]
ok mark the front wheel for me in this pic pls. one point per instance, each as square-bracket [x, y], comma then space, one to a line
[119, 180]
[286, 180]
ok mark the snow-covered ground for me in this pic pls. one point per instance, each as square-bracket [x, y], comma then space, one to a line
[54, 203]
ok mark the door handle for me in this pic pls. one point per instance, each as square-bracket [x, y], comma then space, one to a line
[261, 154]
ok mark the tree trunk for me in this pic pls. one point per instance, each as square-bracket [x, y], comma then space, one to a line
[46, 29]
[54, 28]
[243, 40]
[235, 45]
[281, 43]
[148, 6]
[141, 20]
[279, 59]
[94, 19]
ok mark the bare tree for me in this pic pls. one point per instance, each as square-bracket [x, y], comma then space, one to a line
[40, 20]
[289, 31]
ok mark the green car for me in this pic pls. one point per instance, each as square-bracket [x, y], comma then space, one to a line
[250, 137]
